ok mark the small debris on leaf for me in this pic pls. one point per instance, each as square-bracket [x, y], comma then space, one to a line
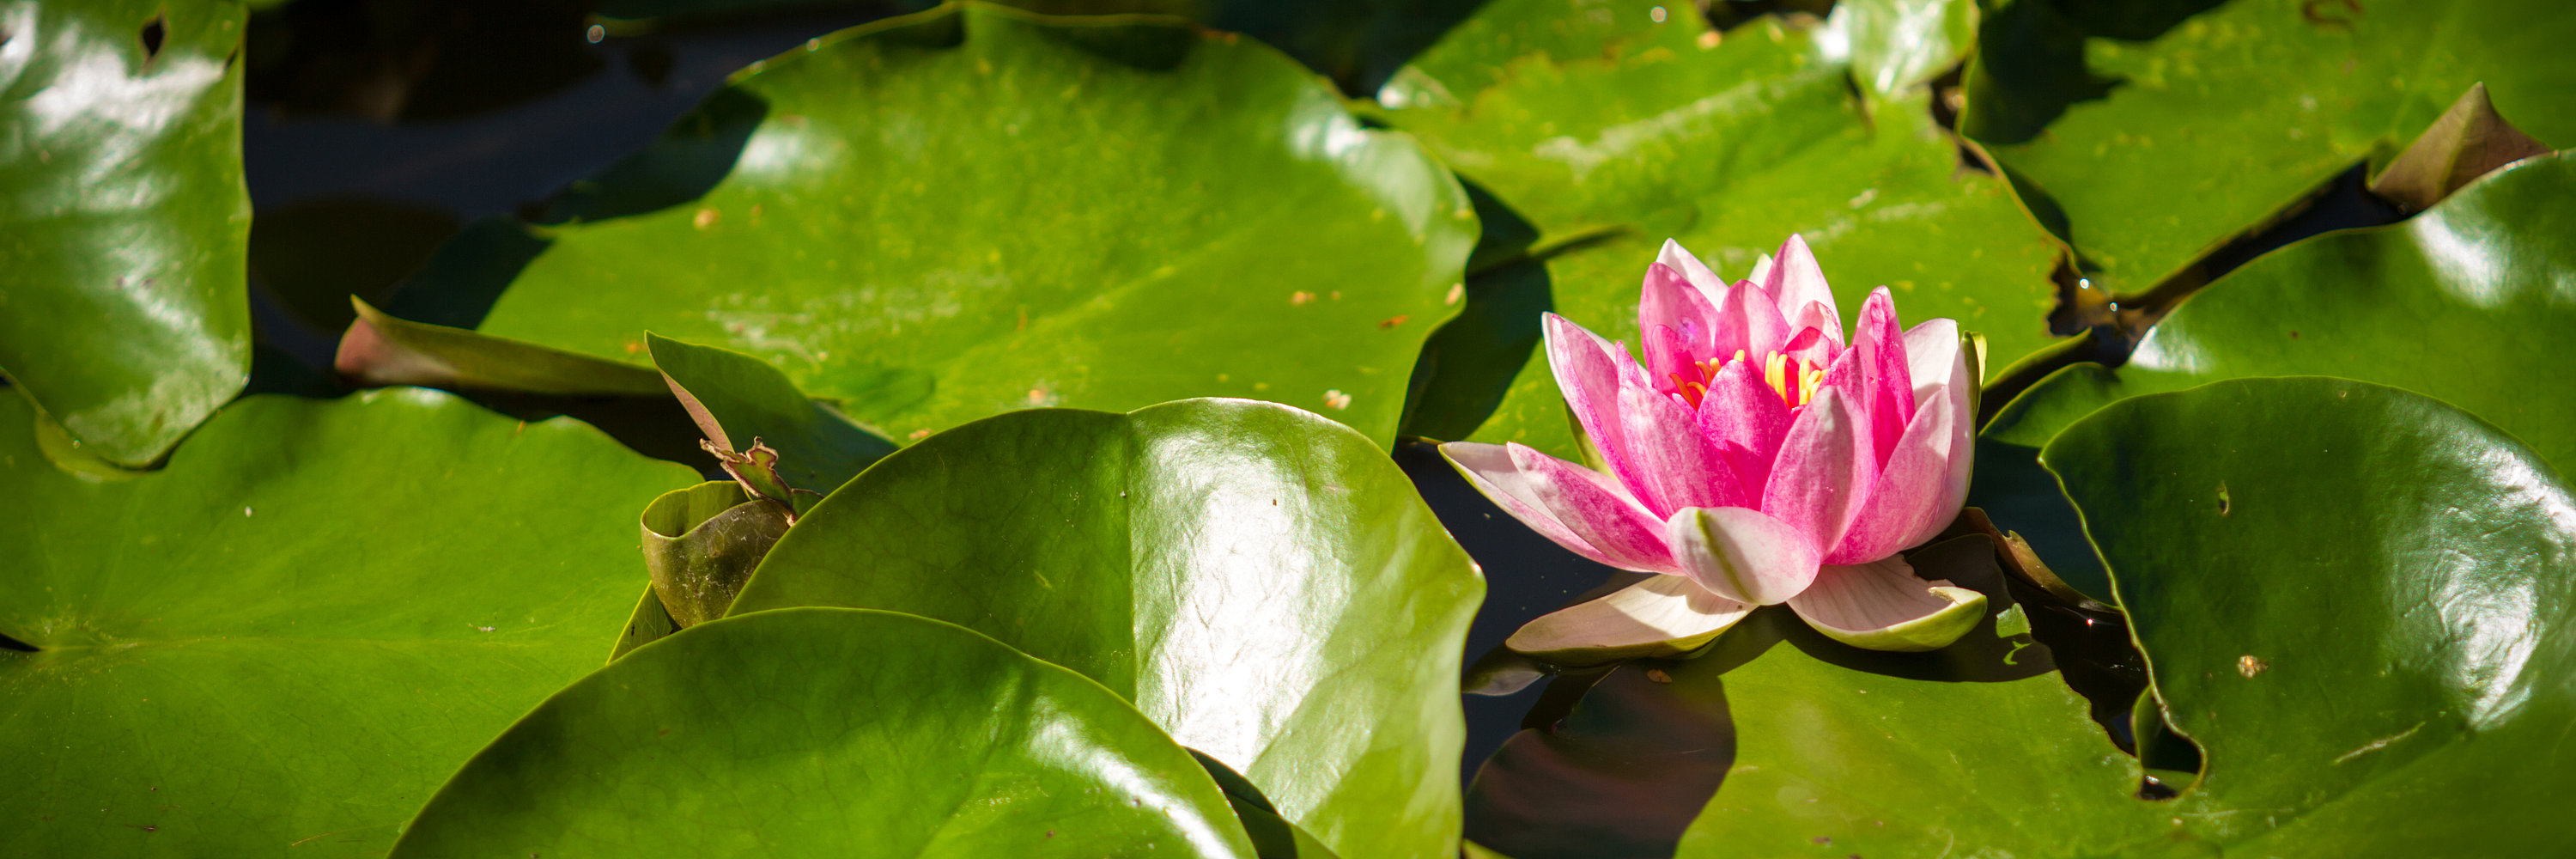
[2250, 665]
[1336, 399]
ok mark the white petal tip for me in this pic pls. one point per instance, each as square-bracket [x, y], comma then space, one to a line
[1661, 616]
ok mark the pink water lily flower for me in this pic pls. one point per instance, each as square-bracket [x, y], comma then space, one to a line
[1757, 457]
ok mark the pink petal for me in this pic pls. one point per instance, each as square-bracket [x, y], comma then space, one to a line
[1820, 317]
[1546, 497]
[1709, 284]
[1747, 321]
[1903, 506]
[1824, 470]
[1884, 606]
[1678, 467]
[1742, 555]
[1588, 377]
[1795, 279]
[1810, 346]
[1746, 420]
[1885, 378]
[1596, 509]
[1669, 300]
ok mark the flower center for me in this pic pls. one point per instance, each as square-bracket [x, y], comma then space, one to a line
[1794, 380]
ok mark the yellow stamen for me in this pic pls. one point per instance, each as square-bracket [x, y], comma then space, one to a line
[1807, 386]
[1775, 370]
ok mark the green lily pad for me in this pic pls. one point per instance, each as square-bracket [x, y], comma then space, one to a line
[1263, 583]
[1132, 212]
[1611, 131]
[123, 310]
[2455, 303]
[288, 636]
[2239, 112]
[830, 732]
[2273, 538]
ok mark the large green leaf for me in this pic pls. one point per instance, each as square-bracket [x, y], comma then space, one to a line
[2238, 112]
[2360, 601]
[935, 218]
[2398, 571]
[1264, 584]
[123, 220]
[2461, 302]
[819, 731]
[1611, 130]
[288, 636]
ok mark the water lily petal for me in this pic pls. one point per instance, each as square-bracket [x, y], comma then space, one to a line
[1933, 356]
[1810, 345]
[1821, 319]
[1882, 606]
[1677, 466]
[1588, 376]
[1669, 299]
[1824, 470]
[1746, 420]
[1761, 272]
[1748, 322]
[1956, 395]
[1885, 376]
[1698, 273]
[1573, 506]
[1741, 554]
[1794, 279]
[1661, 616]
[1904, 506]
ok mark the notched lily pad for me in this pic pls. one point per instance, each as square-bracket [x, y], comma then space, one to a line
[121, 196]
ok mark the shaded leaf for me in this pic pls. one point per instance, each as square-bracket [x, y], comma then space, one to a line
[700, 546]
[2469, 141]
[380, 350]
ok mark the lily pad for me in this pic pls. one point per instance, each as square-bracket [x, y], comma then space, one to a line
[2460, 302]
[1611, 131]
[1133, 212]
[2294, 535]
[830, 732]
[2239, 112]
[288, 636]
[1264, 584]
[123, 310]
